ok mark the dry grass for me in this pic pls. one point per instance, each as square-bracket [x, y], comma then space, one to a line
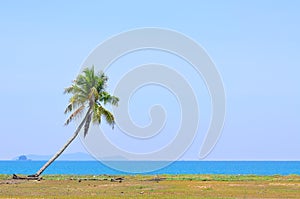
[164, 186]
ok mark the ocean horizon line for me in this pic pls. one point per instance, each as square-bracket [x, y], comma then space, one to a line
[153, 167]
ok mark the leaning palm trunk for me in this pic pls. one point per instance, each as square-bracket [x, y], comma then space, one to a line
[88, 91]
[43, 168]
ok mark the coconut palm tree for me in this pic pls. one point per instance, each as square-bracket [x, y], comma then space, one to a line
[88, 97]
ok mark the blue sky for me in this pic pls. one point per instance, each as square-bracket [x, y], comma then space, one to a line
[255, 46]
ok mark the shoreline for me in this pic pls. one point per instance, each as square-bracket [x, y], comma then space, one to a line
[197, 177]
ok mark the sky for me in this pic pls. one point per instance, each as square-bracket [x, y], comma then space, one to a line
[255, 46]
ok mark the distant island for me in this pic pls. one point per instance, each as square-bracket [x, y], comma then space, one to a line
[79, 156]
[23, 158]
[64, 157]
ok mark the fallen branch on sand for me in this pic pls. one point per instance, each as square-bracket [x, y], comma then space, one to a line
[30, 177]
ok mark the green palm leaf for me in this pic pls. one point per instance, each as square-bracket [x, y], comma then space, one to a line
[88, 92]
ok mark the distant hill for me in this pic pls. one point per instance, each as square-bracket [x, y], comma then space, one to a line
[70, 156]
[79, 156]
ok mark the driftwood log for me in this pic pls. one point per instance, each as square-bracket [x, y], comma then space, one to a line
[29, 177]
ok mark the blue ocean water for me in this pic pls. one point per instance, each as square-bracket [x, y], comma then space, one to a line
[178, 167]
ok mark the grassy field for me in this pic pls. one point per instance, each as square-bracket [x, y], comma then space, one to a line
[162, 186]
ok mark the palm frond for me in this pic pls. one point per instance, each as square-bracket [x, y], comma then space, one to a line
[96, 117]
[109, 117]
[89, 90]
[97, 114]
[105, 97]
[99, 111]
[74, 114]
[68, 90]
[101, 82]
[69, 108]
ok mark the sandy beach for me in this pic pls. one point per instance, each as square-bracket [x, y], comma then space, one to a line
[150, 186]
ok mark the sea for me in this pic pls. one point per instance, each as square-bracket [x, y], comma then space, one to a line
[177, 167]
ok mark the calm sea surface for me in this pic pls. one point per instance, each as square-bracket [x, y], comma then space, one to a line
[178, 167]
